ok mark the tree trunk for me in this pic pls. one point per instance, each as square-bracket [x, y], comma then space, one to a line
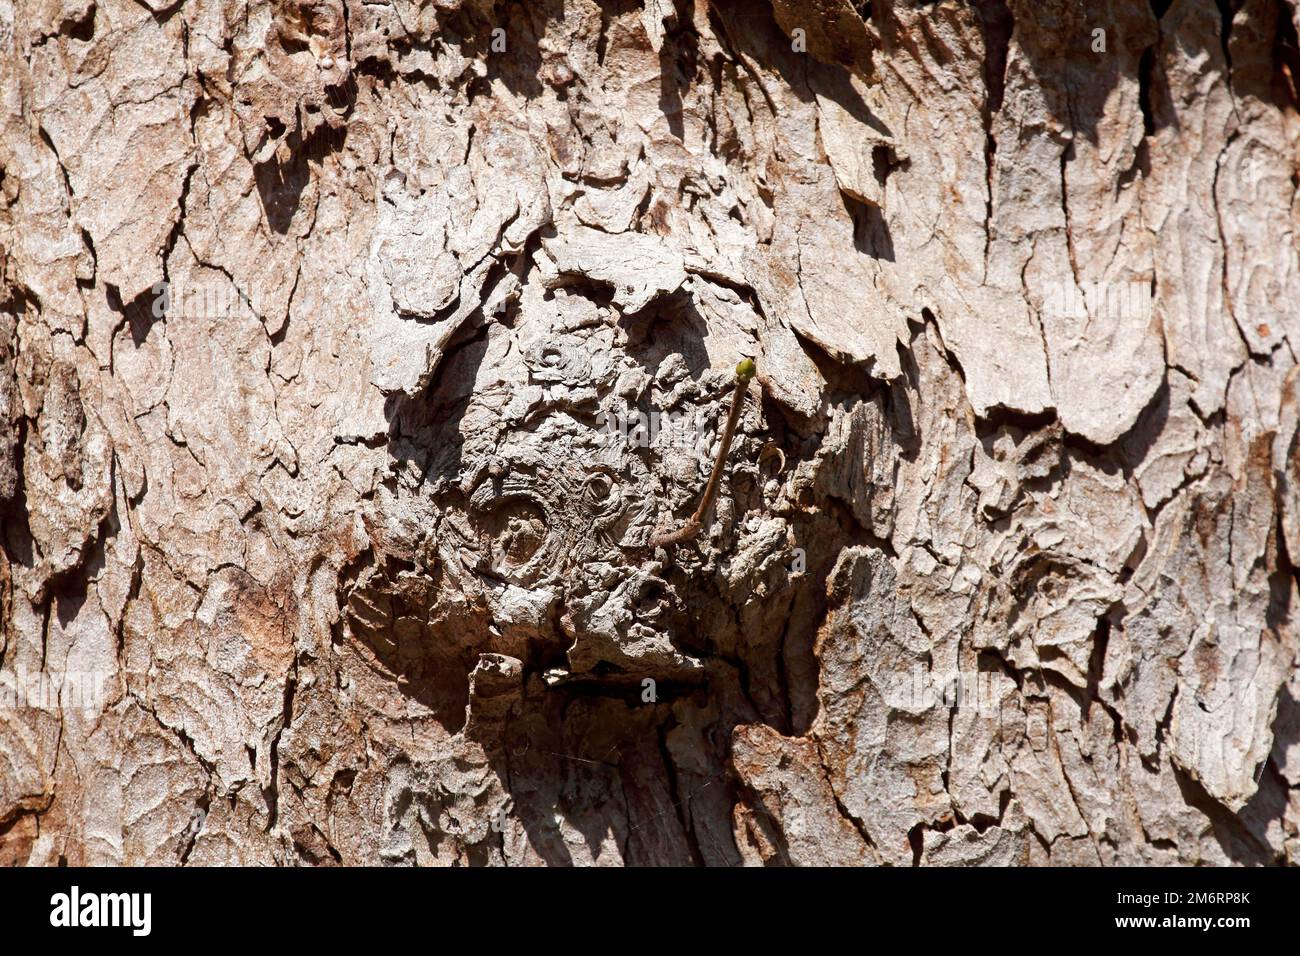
[353, 354]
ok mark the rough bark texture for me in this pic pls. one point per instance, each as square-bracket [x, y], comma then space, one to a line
[353, 520]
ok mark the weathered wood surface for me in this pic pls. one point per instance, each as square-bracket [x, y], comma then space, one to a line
[353, 528]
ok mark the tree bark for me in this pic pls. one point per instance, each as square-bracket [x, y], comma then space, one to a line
[354, 354]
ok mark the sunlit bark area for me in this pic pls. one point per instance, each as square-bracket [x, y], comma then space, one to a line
[360, 358]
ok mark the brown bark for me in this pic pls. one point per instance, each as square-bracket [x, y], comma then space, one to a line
[352, 353]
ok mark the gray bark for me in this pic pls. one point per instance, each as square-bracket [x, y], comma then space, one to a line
[352, 353]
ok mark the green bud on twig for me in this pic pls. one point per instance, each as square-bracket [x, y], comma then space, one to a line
[745, 371]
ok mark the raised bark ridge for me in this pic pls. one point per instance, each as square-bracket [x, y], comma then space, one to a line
[351, 354]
